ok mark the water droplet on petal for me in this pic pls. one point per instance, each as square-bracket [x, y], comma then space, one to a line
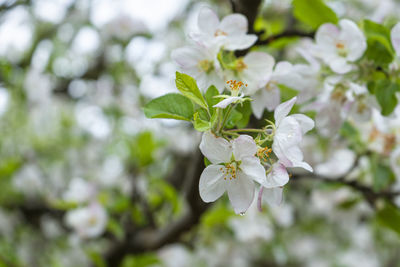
[242, 213]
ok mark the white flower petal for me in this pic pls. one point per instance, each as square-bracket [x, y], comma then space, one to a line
[395, 37]
[353, 38]
[216, 149]
[244, 146]
[295, 155]
[306, 123]
[340, 65]
[186, 57]
[240, 192]
[258, 70]
[289, 132]
[240, 42]
[227, 101]
[252, 167]
[326, 37]
[234, 24]
[277, 177]
[212, 183]
[207, 21]
[272, 97]
[258, 103]
[338, 164]
[283, 110]
[273, 196]
[395, 161]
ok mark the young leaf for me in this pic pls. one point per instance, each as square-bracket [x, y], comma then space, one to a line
[313, 12]
[385, 93]
[188, 87]
[245, 110]
[199, 124]
[211, 101]
[389, 216]
[170, 106]
[379, 48]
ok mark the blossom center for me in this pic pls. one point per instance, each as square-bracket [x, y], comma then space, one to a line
[92, 221]
[235, 86]
[219, 32]
[240, 65]
[263, 153]
[341, 49]
[205, 65]
[230, 170]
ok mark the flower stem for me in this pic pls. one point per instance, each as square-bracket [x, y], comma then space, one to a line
[249, 130]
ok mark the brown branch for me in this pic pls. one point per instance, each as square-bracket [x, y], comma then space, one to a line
[288, 33]
[151, 239]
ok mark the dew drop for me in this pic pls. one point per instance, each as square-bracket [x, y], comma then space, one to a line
[242, 213]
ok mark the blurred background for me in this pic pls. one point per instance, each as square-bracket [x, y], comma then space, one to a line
[87, 180]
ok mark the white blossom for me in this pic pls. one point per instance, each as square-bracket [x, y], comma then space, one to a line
[233, 168]
[229, 33]
[340, 47]
[288, 135]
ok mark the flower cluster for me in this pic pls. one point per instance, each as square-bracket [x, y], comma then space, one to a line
[237, 163]
[337, 79]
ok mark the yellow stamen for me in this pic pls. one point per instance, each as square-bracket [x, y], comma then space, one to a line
[219, 32]
[240, 65]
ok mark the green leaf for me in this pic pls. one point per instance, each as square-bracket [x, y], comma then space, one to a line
[96, 258]
[115, 228]
[170, 106]
[142, 260]
[352, 135]
[199, 124]
[206, 162]
[245, 110]
[210, 99]
[382, 175]
[313, 12]
[385, 93]
[389, 216]
[379, 48]
[233, 119]
[188, 87]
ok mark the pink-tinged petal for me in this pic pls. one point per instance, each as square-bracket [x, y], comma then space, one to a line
[207, 21]
[239, 42]
[212, 183]
[395, 37]
[306, 123]
[252, 168]
[216, 149]
[240, 192]
[259, 198]
[235, 24]
[277, 177]
[326, 37]
[295, 156]
[353, 38]
[283, 110]
[280, 154]
[244, 146]
[227, 101]
[273, 196]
